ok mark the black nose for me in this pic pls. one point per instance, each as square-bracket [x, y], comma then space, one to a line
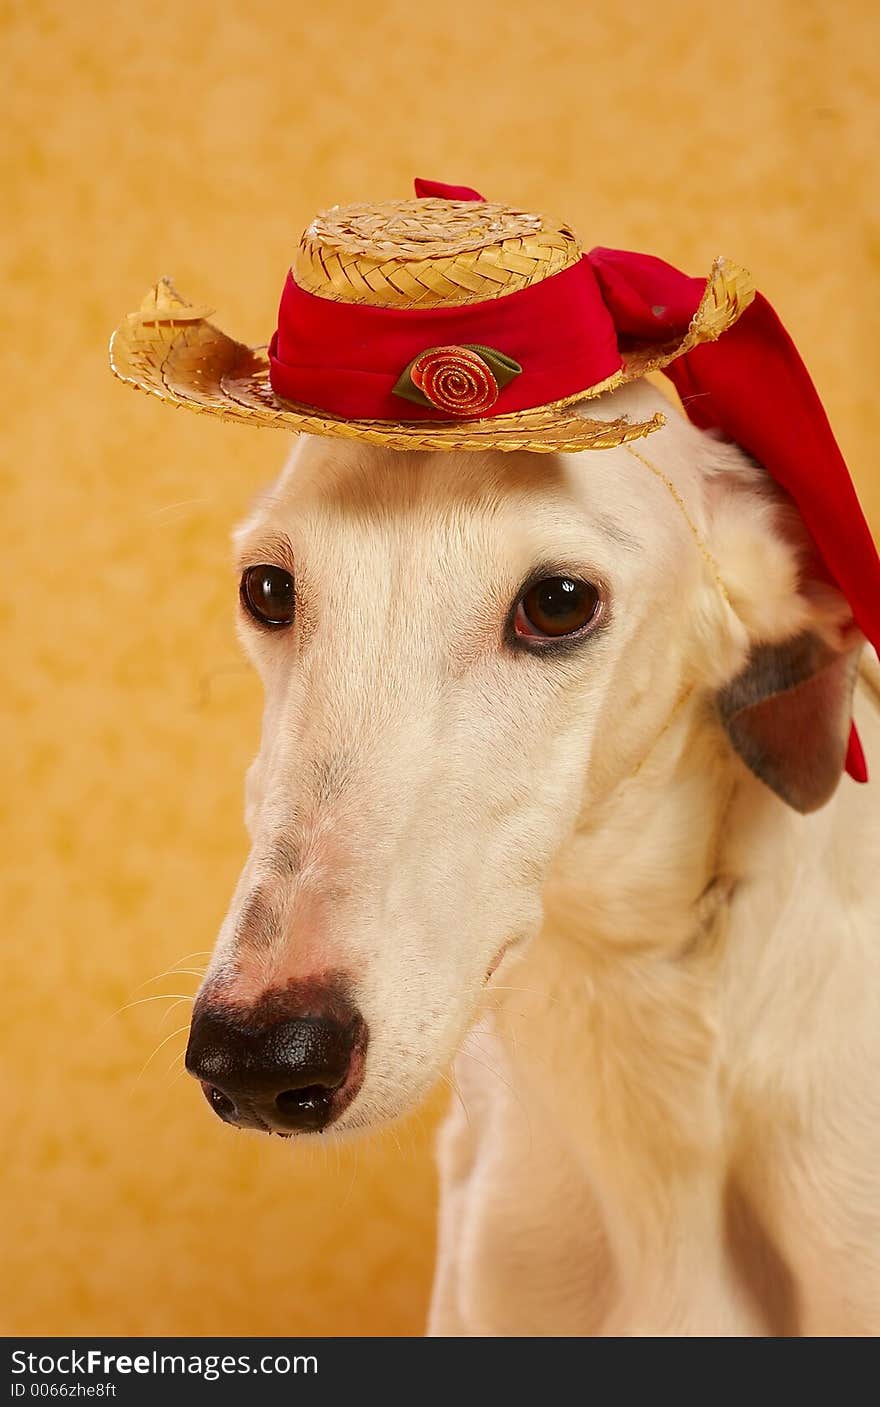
[294, 1074]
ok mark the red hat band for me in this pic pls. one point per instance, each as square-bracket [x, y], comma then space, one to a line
[347, 358]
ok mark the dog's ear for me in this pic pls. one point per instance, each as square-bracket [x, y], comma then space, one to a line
[788, 713]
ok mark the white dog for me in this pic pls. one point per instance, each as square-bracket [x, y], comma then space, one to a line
[529, 723]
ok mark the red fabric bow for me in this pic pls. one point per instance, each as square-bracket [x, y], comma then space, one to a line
[437, 188]
[753, 387]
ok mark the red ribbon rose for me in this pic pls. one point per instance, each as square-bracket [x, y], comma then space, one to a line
[455, 379]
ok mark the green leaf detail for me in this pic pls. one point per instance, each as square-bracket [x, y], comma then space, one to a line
[503, 367]
[405, 388]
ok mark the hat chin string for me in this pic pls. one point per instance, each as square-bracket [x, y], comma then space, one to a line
[686, 691]
[704, 551]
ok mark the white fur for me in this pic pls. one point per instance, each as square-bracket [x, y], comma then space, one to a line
[669, 1114]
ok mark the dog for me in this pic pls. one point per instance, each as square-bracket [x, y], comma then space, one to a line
[550, 785]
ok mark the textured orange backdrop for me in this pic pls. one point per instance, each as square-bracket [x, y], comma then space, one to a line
[197, 139]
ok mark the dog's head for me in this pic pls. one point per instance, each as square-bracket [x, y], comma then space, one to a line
[464, 656]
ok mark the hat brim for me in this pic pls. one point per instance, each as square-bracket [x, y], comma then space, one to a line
[170, 349]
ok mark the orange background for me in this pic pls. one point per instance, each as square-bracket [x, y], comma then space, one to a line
[197, 139]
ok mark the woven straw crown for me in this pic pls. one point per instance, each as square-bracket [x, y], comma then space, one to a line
[428, 252]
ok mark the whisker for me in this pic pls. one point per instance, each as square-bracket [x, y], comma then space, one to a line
[169, 971]
[492, 1071]
[524, 1111]
[168, 1010]
[447, 1080]
[178, 1056]
[152, 1057]
[164, 997]
[356, 1162]
[527, 991]
[173, 507]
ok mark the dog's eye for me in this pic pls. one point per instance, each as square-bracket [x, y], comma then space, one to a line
[267, 593]
[554, 607]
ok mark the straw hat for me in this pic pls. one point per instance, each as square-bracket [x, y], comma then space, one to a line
[442, 322]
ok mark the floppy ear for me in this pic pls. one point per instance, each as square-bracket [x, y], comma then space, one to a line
[788, 716]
